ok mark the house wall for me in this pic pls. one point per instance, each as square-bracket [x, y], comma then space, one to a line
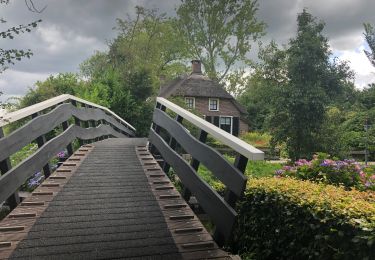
[226, 108]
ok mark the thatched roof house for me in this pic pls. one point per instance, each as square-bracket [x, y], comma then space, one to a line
[209, 98]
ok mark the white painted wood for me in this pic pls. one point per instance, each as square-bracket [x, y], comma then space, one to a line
[28, 111]
[235, 143]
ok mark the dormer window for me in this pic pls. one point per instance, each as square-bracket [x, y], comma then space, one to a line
[213, 104]
[190, 102]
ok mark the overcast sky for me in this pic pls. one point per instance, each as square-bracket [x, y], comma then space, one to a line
[73, 29]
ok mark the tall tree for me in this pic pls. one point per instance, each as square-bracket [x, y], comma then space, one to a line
[370, 39]
[220, 33]
[150, 42]
[313, 81]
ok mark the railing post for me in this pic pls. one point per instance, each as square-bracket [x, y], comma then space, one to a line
[5, 166]
[85, 123]
[156, 127]
[186, 194]
[69, 148]
[240, 163]
[172, 144]
[231, 198]
[77, 122]
[40, 141]
[92, 123]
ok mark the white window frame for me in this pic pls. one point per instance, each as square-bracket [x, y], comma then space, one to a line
[193, 102]
[231, 123]
[209, 104]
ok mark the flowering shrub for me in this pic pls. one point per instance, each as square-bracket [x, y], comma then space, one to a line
[285, 218]
[62, 155]
[33, 182]
[348, 173]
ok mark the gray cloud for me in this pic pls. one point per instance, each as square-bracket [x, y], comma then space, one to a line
[73, 29]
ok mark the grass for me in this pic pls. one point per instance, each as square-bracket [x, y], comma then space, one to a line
[259, 169]
[254, 169]
[22, 154]
[257, 139]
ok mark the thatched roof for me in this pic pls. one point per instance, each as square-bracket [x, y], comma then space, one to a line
[194, 85]
[197, 85]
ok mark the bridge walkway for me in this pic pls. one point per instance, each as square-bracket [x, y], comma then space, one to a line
[109, 200]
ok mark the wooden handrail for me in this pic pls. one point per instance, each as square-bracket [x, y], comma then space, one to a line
[44, 123]
[221, 210]
[11, 180]
[98, 123]
[28, 111]
[235, 143]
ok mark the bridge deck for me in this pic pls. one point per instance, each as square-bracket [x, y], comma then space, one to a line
[109, 200]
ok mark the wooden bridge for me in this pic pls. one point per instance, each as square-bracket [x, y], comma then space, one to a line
[111, 199]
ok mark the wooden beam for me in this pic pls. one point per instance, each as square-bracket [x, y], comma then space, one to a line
[28, 111]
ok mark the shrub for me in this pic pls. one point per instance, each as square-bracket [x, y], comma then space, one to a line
[284, 218]
[348, 172]
[257, 139]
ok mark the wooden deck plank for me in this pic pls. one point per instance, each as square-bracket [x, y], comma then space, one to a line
[106, 208]
[194, 243]
[22, 216]
[111, 202]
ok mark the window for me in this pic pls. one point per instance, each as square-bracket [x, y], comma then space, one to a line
[213, 104]
[190, 102]
[225, 123]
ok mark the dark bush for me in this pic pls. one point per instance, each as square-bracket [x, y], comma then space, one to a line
[284, 218]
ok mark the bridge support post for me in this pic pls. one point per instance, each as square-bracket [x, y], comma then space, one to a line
[77, 122]
[5, 166]
[156, 127]
[40, 141]
[69, 148]
[172, 144]
[240, 163]
[86, 125]
[186, 194]
[231, 198]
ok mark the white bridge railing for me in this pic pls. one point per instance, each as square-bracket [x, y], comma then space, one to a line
[168, 134]
[72, 117]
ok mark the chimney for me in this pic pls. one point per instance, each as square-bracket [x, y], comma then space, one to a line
[196, 66]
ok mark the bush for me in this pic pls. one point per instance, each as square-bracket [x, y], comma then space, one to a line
[284, 218]
[257, 139]
[348, 173]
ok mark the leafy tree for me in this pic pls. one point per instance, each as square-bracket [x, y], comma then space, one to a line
[261, 91]
[367, 97]
[299, 114]
[146, 48]
[63, 83]
[370, 39]
[9, 56]
[220, 34]
[150, 42]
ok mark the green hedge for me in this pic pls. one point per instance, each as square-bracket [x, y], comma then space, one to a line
[284, 218]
